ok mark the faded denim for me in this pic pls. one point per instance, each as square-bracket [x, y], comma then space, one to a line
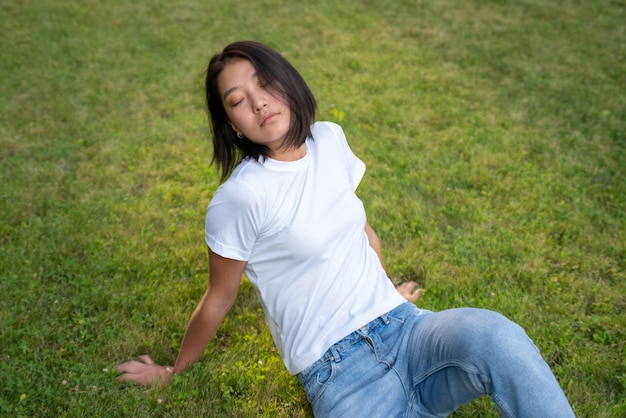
[416, 363]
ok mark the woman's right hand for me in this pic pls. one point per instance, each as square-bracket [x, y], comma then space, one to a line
[225, 277]
[145, 372]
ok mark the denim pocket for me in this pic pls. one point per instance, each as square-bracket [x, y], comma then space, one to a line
[317, 379]
[401, 313]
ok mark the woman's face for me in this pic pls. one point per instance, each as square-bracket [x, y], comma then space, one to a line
[252, 108]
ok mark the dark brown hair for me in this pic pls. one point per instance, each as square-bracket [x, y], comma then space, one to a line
[282, 79]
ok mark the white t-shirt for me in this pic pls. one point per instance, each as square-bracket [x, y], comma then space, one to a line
[301, 229]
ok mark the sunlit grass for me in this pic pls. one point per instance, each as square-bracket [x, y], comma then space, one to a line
[494, 134]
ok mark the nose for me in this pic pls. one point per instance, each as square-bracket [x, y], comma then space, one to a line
[259, 102]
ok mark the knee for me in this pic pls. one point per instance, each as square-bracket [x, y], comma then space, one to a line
[494, 336]
[509, 342]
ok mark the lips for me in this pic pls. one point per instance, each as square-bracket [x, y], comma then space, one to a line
[268, 118]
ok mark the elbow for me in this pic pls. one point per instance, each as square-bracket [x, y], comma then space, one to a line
[218, 302]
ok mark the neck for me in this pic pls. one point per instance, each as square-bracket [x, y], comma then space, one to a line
[290, 154]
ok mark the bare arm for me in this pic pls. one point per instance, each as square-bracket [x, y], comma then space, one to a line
[224, 279]
[374, 242]
[409, 290]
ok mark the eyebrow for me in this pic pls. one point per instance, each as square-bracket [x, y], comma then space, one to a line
[229, 91]
[232, 89]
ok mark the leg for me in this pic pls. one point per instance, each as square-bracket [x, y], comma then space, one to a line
[356, 376]
[457, 355]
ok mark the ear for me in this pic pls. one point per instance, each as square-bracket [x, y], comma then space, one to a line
[237, 131]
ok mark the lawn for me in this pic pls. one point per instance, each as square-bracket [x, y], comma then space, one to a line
[495, 138]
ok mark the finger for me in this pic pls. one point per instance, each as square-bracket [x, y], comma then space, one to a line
[143, 377]
[405, 286]
[123, 378]
[133, 365]
[415, 295]
[129, 367]
[146, 359]
[131, 377]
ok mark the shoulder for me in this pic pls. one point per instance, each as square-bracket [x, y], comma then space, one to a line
[322, 129]
[240, 189]
[329, 136]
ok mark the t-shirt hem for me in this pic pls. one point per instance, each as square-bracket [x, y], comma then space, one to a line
[296, 366]
[226, 251]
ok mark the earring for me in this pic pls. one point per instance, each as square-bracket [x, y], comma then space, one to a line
[239, 135]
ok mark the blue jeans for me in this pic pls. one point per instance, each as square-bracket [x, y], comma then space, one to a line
[416, 363]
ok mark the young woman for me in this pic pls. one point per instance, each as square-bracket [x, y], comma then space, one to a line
[288, 217]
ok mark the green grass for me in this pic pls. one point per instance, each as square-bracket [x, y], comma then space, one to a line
[493, 131]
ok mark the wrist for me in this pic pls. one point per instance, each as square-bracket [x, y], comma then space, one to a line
[169, 374]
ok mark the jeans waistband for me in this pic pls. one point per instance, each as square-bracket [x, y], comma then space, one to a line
[333, 353]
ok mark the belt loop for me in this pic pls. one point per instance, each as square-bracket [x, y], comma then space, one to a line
[335, 354]
[385, 319]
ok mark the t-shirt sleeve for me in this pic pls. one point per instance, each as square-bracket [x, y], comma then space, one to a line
[355, 167]
[231, 225]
